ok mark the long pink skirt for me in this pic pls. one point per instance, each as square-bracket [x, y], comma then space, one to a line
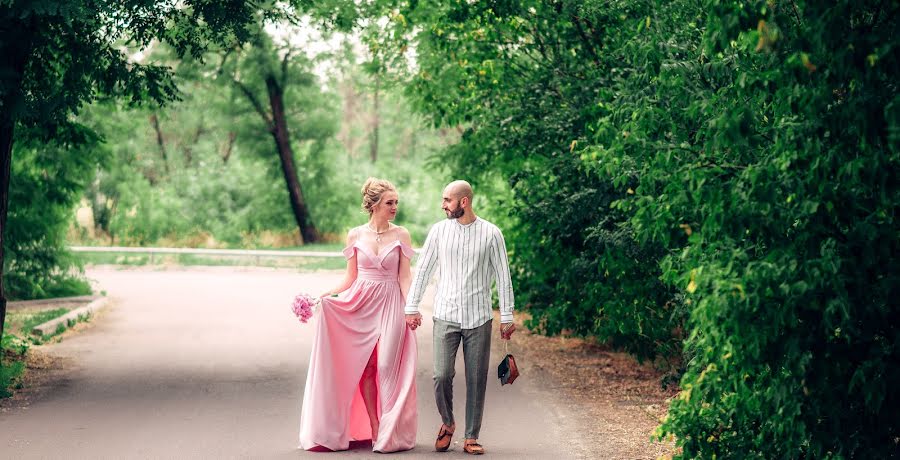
[367, 317]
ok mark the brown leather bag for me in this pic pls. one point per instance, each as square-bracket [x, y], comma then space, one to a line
[507, 371]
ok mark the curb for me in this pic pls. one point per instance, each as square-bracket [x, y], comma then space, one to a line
[50, 327]
[14, 304]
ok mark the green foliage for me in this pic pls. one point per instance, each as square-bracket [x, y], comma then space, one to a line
[81, 55]
[523, 79]
[12, 363]
[9, 373]
[213, 179]
[592, 278]
[220, 182]
[731, 163]
[763, 140]
[59, 56]
[47, 182]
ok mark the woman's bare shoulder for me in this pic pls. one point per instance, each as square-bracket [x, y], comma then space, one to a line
[403, 234]
[353, 234]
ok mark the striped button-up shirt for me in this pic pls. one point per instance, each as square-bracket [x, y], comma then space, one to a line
[468, 258]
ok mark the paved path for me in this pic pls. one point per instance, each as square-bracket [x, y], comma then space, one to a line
[210, 363]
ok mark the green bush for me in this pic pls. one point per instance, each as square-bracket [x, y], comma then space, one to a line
[765, 142]
[748, 154]
[527, 110]
[47, 179]
[581, 272]
[12, 362]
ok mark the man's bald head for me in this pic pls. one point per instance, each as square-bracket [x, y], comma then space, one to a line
[457, 199]
[459, 189]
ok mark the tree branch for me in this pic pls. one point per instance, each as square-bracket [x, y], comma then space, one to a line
[585, 40]
[284, 69]
[796, 13]
[221, 68]
[229, 146]
[267, 119]
[154, 121]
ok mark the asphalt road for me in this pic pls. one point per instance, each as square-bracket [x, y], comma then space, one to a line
[210, 363]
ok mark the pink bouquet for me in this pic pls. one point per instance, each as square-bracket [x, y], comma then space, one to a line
[303, 306]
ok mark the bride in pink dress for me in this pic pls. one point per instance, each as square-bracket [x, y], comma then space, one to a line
[361, 380]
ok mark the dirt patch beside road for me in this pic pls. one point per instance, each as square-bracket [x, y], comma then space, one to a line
[619, 401]
[44, 369]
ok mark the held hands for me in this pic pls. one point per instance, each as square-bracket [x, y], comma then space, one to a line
[414, 320]
[506, 330]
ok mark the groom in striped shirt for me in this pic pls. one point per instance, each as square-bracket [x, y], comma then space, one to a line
[469, 253]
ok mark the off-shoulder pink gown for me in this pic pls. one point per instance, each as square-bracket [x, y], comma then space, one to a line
[349, 327]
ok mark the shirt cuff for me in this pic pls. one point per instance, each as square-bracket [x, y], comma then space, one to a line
[411, 309]
[505, 318]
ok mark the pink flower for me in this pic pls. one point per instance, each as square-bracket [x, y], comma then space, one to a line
[303, 306]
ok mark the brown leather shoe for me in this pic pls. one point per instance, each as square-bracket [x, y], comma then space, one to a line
[471, 446]
[443, 439]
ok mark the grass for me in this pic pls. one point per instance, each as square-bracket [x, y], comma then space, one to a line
[21, 322]
[300, 263]
[72, 322]
[30, 320]
[14, 349]
[12, 363]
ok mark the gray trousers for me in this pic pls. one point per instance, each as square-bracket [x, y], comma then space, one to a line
[476, 355]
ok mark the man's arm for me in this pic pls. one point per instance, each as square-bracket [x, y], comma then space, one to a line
[426, 265]
[500, 264]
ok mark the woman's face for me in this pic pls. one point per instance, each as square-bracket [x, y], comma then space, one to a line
[387, 207]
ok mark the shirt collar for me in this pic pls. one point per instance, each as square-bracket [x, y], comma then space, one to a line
[459, 225]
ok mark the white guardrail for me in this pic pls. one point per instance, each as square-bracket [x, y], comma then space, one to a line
[209, 252]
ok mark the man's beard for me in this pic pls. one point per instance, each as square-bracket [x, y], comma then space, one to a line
[456, 214]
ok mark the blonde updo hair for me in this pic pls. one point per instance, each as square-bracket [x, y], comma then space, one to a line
[372, 191]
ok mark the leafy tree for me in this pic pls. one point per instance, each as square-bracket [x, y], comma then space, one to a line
[260, 67]
[763, 140]
[56, 56]
[50, 179]
[241, 201]
[522, 79]
[59, 57]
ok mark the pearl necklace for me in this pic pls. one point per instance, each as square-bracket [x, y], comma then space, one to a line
[376, 232]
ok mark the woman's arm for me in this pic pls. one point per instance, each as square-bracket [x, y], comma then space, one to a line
[352, 270]
[405, 274]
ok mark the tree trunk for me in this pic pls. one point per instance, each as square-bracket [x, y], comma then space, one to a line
[373, 142]
[189, 148]
[160, 141]
[7, 127]
[15, 47]
[282, 142]
[228, 147]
